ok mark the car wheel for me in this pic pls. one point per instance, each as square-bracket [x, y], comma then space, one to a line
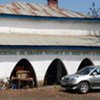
[83, 87]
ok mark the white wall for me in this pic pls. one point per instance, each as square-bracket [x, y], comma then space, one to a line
[48, 27]
[41, 63]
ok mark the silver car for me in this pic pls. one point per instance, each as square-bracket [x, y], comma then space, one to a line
[85, 79]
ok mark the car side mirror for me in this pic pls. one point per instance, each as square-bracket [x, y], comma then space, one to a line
[94, 73]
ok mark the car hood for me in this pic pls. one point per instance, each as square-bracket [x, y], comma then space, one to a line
[73, 76]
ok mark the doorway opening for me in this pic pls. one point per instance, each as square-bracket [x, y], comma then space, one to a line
[55, 72]
[23, 75]
[84, 63]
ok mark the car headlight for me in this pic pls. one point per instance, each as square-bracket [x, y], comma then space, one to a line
[72, 80]
[62, 78]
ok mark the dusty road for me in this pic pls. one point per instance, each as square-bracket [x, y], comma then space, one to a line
[46, 93]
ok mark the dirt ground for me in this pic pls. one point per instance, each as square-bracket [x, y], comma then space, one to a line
[47, 93]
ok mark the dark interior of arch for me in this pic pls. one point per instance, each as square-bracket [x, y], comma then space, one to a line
[84, 63]
[25, 64]
[55, 72]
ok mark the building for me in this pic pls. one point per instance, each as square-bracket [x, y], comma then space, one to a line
[47, 41]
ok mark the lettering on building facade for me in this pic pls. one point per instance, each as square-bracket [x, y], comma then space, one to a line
[49, 52]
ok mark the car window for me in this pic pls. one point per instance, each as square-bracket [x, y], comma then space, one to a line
[97, 71]
[85, 70]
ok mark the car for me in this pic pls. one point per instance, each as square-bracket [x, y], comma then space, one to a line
[83, 80]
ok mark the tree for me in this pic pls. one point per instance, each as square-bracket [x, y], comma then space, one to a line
[94, 12]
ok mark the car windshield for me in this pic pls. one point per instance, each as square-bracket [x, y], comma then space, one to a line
[85, 70]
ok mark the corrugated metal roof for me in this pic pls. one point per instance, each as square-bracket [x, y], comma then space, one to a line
[32, 39]
[37, 10]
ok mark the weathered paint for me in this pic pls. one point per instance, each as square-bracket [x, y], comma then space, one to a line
[21, 8]
[41, 63]
[48, 27]
[53, 27]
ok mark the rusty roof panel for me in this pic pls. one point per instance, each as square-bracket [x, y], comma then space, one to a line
[37, 10]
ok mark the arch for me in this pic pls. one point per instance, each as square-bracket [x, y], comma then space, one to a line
[55, 72]
[24, 64]
[84, 63]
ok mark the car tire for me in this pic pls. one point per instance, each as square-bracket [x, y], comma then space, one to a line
[83, 87]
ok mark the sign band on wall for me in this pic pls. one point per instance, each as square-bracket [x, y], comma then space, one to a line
[48, 52]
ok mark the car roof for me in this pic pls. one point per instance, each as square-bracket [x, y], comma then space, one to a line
[96, 66]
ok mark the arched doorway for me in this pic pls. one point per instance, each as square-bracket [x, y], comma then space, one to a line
[84, 63]
[25, 65]
[55, 72]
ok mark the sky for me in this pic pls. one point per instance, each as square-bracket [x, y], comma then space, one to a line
[74, 5]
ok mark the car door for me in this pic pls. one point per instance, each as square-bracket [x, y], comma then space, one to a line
[95, 78]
